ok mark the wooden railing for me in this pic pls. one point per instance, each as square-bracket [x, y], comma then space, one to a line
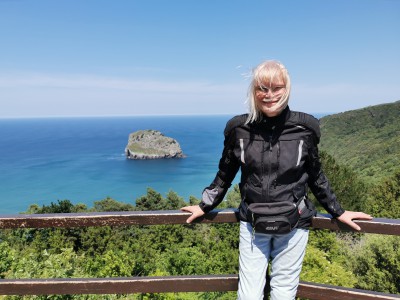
[209, 283]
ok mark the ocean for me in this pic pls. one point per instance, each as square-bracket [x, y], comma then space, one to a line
[43, 160]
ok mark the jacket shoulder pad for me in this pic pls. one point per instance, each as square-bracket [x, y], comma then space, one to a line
[309, 121]
[235, 122]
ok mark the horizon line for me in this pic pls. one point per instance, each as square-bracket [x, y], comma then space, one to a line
[134, 115]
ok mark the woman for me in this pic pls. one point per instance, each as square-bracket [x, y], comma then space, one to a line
[276, 150]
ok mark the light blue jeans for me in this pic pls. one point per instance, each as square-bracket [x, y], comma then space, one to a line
[286, 253]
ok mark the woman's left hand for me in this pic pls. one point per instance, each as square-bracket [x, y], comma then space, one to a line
[348, 216]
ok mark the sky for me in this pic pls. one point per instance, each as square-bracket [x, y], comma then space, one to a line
[158, 57]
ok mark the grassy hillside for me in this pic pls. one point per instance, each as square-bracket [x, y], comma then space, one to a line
[366, 140]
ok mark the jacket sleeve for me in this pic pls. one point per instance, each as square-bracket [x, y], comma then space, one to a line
[228, 167]
[319, 183]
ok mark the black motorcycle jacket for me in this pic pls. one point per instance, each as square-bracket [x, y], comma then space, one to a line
[279, 161]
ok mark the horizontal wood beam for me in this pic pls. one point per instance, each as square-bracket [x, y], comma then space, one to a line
[126, 285]
[317, 291]
[124, 218]
[376, 225]
[170, 284]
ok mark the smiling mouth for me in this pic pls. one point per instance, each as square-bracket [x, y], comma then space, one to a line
[270, 101]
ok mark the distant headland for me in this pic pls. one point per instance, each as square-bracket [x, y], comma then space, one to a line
[152, 144]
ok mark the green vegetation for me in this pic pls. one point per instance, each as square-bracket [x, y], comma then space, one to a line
[120, 251]
[348, 187]
[344, 259]
[384, 199]
[359, 179]
[367, 140]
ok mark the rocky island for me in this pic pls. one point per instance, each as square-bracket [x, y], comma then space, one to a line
[152, 144]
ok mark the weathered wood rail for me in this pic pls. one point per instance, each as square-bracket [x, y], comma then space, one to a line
[129, 285]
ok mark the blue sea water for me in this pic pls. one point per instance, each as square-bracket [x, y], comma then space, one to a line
[83, 160]
[43, 160]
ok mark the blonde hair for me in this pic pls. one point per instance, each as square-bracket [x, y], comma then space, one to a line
[266, 72]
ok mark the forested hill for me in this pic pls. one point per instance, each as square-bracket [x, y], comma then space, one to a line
[366, 140]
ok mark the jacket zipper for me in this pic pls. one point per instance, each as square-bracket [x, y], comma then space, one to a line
[269, 166]
[262, 175]
[278, 149]
[269, 163]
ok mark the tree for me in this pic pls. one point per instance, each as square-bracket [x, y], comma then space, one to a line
[63, 206]
[113, 263]
[348, 188]
[318, 268]
[384, 200]
[173, 201]
[375, 261]
[7, 256]
[110, 204]
[151, 201]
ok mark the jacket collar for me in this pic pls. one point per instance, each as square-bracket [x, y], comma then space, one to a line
[277, 120]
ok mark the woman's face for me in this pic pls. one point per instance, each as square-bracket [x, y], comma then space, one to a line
[268, 95]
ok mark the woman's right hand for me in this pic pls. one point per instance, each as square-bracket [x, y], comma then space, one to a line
[195, 210]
